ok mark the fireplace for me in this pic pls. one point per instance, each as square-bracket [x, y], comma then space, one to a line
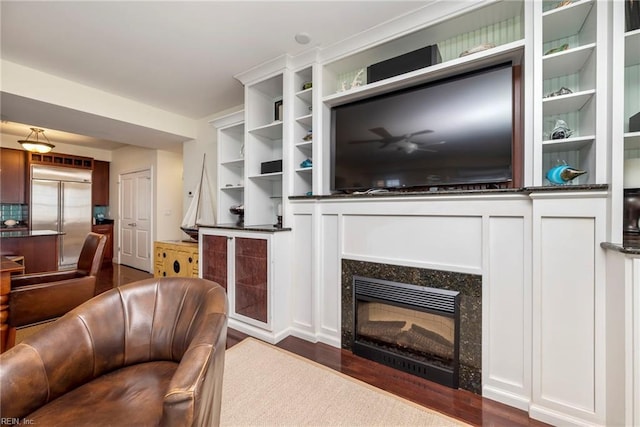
[462, 329]
[411, 328]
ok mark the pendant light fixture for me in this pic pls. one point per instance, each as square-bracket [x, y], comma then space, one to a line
[35, 145]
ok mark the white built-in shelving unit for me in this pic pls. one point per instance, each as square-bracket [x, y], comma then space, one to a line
[303, 140]
[231, 164]
[264, 138]
[579, 68]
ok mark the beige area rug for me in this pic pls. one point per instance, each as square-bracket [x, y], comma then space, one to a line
[268, 386]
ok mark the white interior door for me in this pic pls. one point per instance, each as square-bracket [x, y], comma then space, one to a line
[135, 220]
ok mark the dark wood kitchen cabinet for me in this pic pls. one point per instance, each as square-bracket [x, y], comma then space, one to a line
[107, 230]
[100, 183]
[13, 176]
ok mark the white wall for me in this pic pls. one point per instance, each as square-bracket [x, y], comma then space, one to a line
[33, 84]
[168, 187]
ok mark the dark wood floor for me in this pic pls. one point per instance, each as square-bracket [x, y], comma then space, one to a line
[460, 404]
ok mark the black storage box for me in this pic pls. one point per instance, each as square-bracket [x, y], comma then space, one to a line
[271, 167]
[411, 61]
[634, 123]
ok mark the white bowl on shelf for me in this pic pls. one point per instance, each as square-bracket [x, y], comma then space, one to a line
[10, 222]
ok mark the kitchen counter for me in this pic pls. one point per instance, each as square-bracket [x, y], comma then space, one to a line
[7, 232]
[40, 248]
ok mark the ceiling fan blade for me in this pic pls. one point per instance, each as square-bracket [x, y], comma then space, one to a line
[420, 132]
[364, 141]
[382, 132]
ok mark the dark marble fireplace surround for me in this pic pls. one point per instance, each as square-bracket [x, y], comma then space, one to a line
[469, 286]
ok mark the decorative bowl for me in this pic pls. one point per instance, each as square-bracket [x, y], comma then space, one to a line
[10, 222]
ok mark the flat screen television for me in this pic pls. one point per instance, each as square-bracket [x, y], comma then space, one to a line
[455, 131]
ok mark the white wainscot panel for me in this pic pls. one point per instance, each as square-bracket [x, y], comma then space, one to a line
[506, 305]
[302, 289]
[442, 242]
[329, 280]
[567, 312]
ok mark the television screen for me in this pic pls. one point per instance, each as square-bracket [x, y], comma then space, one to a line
[449, 132]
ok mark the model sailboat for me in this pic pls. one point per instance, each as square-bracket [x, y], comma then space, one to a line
[200, 209]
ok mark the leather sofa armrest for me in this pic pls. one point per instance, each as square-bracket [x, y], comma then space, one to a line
[192, 384]
[44, 301]
[51, 276]
[23, 380]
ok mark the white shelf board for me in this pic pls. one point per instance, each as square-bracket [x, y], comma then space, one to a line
[306, 95]
[565, 21]
[507, 52]
[632, 140]
[566, 103]
[566, 62]
[271, 131]
[304, 170]
[306, 146]
[305, 120]
[232, 188]
[632, 48]
[235, 163]
[275, 176]
[569, 144]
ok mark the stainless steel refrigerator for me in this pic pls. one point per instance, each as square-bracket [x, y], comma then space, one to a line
[61, 201]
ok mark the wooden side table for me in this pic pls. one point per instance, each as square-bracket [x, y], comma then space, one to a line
[6, 268]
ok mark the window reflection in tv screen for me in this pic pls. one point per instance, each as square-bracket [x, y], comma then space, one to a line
[448, 132]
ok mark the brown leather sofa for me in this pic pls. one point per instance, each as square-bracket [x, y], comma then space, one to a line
[39, 297]
[148, 353]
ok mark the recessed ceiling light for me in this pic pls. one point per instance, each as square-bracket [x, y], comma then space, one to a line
[303, 38]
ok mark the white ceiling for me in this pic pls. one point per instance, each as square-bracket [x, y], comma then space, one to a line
[179, 56]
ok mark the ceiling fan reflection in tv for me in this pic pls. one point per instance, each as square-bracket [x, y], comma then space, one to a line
[401, 142]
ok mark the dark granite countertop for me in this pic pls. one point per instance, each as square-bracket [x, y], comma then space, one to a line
[524, 190]
[619, 248]
[29, 233]
[260, 228]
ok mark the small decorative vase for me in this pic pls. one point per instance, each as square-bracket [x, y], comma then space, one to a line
[562, 174]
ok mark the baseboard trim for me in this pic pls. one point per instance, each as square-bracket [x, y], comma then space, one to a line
[550, 416]
[508, 398]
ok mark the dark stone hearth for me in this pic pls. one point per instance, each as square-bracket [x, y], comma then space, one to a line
[469, 286]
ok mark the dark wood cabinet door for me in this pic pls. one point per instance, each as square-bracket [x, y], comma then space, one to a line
[100, 183]
[107, 230]
[12, 176]
[251, 278]
[214, 259]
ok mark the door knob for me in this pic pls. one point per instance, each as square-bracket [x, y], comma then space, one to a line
[132, 224]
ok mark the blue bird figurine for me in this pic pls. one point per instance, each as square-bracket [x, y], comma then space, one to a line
[562, 174]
